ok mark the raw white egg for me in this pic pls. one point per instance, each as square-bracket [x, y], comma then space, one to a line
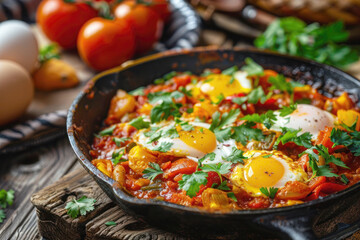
[306, 117]
[16, 91]
[266, 169]
[18, 44]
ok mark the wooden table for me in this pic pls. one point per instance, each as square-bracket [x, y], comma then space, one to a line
[29, 172]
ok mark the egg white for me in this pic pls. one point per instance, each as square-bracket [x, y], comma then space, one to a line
[292, 172]
[308, 118]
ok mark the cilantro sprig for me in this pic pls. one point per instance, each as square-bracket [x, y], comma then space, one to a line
[2, 215]
[220, 124]
[220, 168]
[252, 68]
[139, 123]
[236, 156]
[269, 192]
[210, 156]
[323, 170]
[108, 131]
[153, 171]
[163, 147]
[80, 206]
[117, 156]
[119, 141]
[279, 82]
[167, 106]
[351, 139]
[320, 43]
[292, 135]
[268, 118]
[287, 110]
[256, 95]
[246, 132]
[6, 199]
[191, 182]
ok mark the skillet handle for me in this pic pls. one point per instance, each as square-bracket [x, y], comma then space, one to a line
[293, 227]
[300, 227]
[343, 230]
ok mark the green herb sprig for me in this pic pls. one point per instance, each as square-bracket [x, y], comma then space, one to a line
[320, 43]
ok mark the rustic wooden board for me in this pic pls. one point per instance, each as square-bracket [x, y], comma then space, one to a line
[55, 224]
[27, 173]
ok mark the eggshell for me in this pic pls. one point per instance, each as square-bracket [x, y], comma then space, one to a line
[18, 44]
[16, 91]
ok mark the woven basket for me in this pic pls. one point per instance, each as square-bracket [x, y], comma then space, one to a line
[322, 11]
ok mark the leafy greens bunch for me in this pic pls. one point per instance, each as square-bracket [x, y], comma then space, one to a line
[292, 36]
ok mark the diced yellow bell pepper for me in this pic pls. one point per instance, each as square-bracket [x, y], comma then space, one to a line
[349, 117]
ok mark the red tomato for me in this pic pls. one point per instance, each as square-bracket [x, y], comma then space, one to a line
[104, 44]
[182, 165]
[146, 23]
[61, 21]
[162, 8]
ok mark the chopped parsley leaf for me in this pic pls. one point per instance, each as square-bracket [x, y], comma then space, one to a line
[108, 131]
[2, 215]
[218, 123]
[291, 135]
[223, 186]
[246, 132]
[210, 156]
[253, 97]
[252, 68]
[153, 171]
[191, 183]
[268, 118]
[219, 168]
[226, 119]
[232, 196]
[111, 223]
[220, 98]
[350, 140]
[279, 82]
[6, 198]
[167, 106]
[287, 110]
[185, 91]
[344, 179]
[223, 134]
[117, 156]
[163, 147]
[139, 123]
[269, 192]
[80, 206]
[138, 92]
[230, 71]
[119, 141]
[323, 170]
[236, 156]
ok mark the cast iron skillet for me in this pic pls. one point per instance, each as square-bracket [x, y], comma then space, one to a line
[331, 217]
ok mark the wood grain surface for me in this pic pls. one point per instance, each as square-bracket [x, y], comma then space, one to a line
[27, 173]
[55, 224]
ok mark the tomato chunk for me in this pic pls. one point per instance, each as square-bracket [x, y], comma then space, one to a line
[183, 165]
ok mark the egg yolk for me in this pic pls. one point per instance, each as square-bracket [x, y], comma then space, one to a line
[200, 138]
[263, 172]
[217, 84]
